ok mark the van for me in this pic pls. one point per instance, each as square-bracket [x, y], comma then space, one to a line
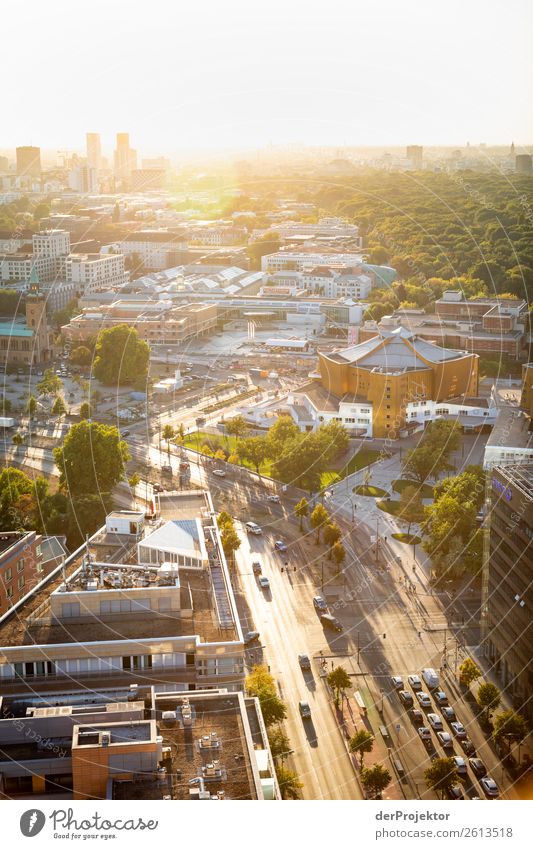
[398, 767]
[431, 678]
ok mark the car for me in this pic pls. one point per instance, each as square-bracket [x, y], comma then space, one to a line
[252, 528]
[304, 661]
[251, 637]
[273, 498]
[458, 729]
[279, 545]
[455, 792]
[319, 603]
[415, 682]
[489, 787]
[305, 710]
[397, 682]
[405, 698]
[468, 747]
[220, 473]
[445, 739]
[256, 567]
[157, 487]
[448, 714]
[460, 764]
[440, 698]
[478, 767]
[416, 716]
[423, 700]
[264, 583]
[331, 622]
[435, 721]
[424, 733]
[125, 433]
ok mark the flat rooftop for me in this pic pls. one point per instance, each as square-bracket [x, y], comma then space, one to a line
[511, 430]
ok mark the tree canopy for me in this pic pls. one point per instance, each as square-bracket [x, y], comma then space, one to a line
[260, 683]
[121, 357]
[92, 459]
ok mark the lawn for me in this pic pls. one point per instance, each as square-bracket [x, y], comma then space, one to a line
[393, 507]
[409, 539]
[229, 443]
[362, 458]
[369, 490]
[424, 490]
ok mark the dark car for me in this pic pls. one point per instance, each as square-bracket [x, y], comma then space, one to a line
[305, 710]
[331, 622]
[478, 767]
[416, 716]
[303, 660]
[405, 698]
[468, 747]
[279, 545]
[251, 637]
[256, 566]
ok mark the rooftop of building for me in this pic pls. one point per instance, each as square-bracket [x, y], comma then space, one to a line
[519, 475]
[511, 430]
[10, 538]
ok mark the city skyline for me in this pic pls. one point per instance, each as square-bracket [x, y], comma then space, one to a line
[219, 80]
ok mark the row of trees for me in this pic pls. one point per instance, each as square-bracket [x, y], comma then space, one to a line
[322, 523]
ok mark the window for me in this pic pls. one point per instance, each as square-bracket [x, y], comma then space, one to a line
[20, 566]
[9, 592]
[20, 582]
[71, 609]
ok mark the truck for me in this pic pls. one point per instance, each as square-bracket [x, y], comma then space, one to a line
[431, 678]
[6, 422]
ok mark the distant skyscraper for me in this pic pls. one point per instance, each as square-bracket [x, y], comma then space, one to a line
[125, 157]
[414, 152]
[523, 163]
[94, 151]
[4, 164]
[29, 161]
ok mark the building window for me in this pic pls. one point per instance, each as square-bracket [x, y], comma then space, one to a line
[20, 566]
[20, 582]
[8, 576]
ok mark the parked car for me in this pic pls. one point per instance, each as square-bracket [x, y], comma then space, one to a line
[251, 637]
[416, 716]
[448, 714]
[455, 792]
[220, 473]
[304, 661]
[397, 682]
[252, 528]
[445, 739]
[273, 498]
[256, 567]
[279, 545]
[440, 698]
[468, 747]
[458, 729]
[478, 767]
[319, 603]
[406, 698]
[331, 622]
[424, 733]
[264, 583]
[415, 682]
[489, 787]
[423, 700]
[435, 721]
[460, 764]
[305, 710]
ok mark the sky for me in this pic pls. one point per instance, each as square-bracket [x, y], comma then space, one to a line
[220, 74]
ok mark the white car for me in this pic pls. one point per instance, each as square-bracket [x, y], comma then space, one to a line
[490, 788]
[252, 528]
[273, 498]
[415, 682]
[435, 721]
[423, 700]
[264, 583]
[220, 473]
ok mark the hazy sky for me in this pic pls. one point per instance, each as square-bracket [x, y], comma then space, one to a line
[179, 74]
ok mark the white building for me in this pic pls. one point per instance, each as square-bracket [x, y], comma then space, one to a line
[297, 261]
[94, 272]
[51, 243]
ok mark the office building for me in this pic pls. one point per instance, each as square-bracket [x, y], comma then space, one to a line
[414, 153]
[28, 161]
[125, 158]
[506, 614]
[93, 151]
[4, 165]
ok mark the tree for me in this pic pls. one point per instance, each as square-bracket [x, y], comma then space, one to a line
[410, 508]
[339, 554]
[27, 503]
[268, 243]
[509, 726]
[50, 384]
[302, 510]
[289, 783]
[63, 316]
[121, 357]
[488, 698]
[42, 210]
[92, 459]
[319, 518]
[237, 427]
[375, 780]
[85, 514]
[339, 681]
[168, 434]
[180, 434]
[254, 449]
[229, 537]
[441, 776]
[31, 406]
[81, 356]
[18, 439]
[468, 672]
[58, 407]
[260, 683]
[332, 533]
[86, 411]
[361, 743]
[134, 480]
[279, 742]
[7, 405]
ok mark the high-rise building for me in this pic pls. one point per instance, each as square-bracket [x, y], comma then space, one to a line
[4, 164]
[414, 152]
[506, 614]
[523, 163]
[125, 157]
[94, 151]
[29, 161]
